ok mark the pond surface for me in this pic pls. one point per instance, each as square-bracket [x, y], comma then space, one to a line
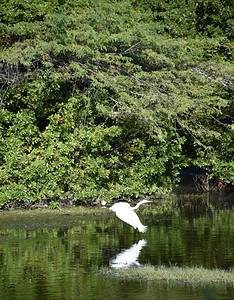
[49, 255]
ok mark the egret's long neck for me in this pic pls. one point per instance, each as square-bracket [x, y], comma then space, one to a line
[138, 204]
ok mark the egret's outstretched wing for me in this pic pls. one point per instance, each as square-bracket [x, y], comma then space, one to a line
[130, 217]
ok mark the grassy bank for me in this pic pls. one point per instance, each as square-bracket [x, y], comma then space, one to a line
[73, 216]
[187, 275]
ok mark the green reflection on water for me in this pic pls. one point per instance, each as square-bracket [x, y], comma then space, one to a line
[54, 255]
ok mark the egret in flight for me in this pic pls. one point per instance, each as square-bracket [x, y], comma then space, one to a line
[127, 214]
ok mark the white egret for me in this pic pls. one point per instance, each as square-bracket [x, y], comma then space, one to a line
[127, 214]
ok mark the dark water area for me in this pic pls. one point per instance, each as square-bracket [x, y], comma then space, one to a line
[48, 255]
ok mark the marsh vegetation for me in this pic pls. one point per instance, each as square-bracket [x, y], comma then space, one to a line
[187, 275]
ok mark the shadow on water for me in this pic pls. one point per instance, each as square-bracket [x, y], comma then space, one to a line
[54, 254]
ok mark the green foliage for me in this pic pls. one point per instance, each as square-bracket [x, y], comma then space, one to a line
[190, 18]
[15, 11]
[98, 99]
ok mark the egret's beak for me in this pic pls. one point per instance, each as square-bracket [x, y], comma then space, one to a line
[149, 201]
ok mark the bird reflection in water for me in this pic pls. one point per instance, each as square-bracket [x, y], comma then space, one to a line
[128, 257]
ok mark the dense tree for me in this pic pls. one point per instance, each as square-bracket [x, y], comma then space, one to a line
[111, 99]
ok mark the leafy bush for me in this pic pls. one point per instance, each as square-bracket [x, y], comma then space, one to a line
[100, 100]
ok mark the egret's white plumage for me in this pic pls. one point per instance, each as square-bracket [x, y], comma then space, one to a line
[127, 214]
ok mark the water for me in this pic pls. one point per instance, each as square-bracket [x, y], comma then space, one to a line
[55, 254]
